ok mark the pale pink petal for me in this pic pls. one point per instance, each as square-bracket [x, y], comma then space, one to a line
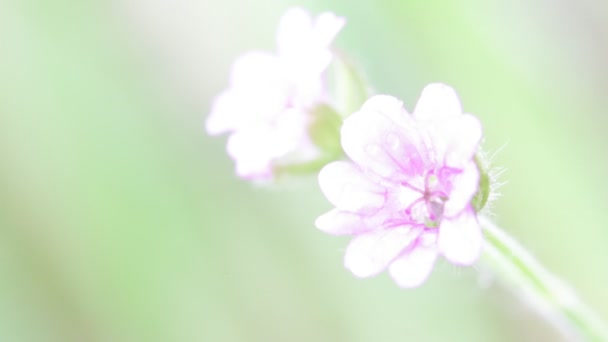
[307, 66]
[462, 138]
[402, 196]
[326, 27]
[428, 238]
[380, 139]
[438, 102]
[253, 150]
[256, 93]
[370, 253]
[306, 69]
[226, 113]
[349, 189]
[413, 268]
[291, 128]
[464, 187]
[295, 29]
[460, 238]
[235, 109]
[256, 70]
[388, 106]
[304, 45]
[338, 222]
[454, 136]
[310, 87]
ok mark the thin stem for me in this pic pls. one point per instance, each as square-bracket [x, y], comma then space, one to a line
[546, 292]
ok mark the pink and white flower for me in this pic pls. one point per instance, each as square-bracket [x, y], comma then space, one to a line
[405, 195]
[266, 108]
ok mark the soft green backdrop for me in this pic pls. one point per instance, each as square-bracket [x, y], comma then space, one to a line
[121, 220]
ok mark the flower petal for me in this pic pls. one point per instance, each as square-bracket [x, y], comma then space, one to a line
[253, 150]
[304, 45]
[413, 268]
[437, 102]
[256, 70]
[326, 27]
[460, 238]
[291, 128]
[382, 138]
[386, 105]
[464, 186]
[462, 138]
[370, 253]
[338, 222]
[257, 93]
[455, 136]
[226, 113]
[346, 187]
[295, 28]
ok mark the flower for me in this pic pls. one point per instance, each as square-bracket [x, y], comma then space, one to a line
[406, 194]
[266, 109]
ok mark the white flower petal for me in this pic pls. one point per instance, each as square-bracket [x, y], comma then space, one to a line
[460, 238]
[383, 138]
[370, 253]
[253, 150]
[226, 113]
[437, 102]
[295, 28]
[291, 128]
[257, 93]
[464, 186]
[326, 27]
[462, 138]
[454, 136]
[338, 222]
[388, 106]
[346, 187]
[308, 86]
[413, 268]
[256, 70]
[304, 45]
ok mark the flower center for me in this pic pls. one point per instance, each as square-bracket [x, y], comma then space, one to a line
[428, 208]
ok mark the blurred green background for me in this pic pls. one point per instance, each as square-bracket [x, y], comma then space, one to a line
[121, 220]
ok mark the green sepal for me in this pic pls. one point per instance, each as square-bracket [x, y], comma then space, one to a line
[349, 88]
[480, 199]
[324, 130]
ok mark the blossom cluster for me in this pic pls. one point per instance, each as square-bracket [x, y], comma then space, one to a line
[405, 195]
[405, 183]
[267, 107]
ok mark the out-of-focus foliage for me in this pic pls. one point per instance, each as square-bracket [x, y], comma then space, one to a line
[120, 220]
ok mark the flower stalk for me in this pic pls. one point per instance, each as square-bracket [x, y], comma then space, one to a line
[548, 294]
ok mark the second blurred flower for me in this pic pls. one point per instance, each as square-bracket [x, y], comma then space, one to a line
[272, 97]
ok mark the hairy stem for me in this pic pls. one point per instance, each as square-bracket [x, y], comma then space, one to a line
[550, 295]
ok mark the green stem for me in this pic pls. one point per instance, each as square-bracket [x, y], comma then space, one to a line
[546, 292]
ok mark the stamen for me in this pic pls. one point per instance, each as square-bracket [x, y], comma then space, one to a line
[409, 186]
[439, 194]
[408, 210]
